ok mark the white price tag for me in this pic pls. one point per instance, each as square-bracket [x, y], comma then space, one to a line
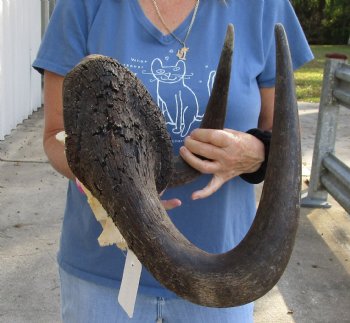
[130, 283]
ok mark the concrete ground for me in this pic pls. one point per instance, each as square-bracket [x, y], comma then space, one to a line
[314, 288]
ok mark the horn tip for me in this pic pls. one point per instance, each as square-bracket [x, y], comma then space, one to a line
[280, 31]
[229, 36]
[230, 28]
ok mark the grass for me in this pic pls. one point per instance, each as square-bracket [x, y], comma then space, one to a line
[309, 77]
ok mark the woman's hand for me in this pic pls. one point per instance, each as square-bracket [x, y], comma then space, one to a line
[228, 154]
[170, 204]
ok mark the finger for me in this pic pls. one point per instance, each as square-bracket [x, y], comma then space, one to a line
[219, 138]
[171, 204]
[204, 166]
[203, 149]
[215, 183]
[80, 186]
[232, 131]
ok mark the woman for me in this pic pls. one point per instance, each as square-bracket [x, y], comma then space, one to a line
[173, 47]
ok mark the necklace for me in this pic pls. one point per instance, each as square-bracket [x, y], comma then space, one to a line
[181, 53]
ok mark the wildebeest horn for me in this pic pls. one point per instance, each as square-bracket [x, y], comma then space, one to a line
[118, 146]
[215, 112]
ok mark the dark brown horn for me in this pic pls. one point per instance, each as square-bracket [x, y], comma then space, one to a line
[114, 145]
[215, 112]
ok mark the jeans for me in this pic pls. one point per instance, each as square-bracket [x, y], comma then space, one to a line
[86, 302]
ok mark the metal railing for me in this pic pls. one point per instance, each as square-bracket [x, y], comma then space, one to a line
[328, 173]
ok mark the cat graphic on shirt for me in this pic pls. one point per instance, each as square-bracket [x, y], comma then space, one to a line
[180, 108]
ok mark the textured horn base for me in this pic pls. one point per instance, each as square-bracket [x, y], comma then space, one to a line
[109, 117]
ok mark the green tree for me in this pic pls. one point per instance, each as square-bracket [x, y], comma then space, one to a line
[324, 21]
[336, 22]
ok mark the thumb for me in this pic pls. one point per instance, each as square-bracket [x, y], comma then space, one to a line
[215, 183]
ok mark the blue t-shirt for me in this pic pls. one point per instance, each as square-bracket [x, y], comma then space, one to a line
[120, 29]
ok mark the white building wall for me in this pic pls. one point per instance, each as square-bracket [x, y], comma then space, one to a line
[20, 85]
